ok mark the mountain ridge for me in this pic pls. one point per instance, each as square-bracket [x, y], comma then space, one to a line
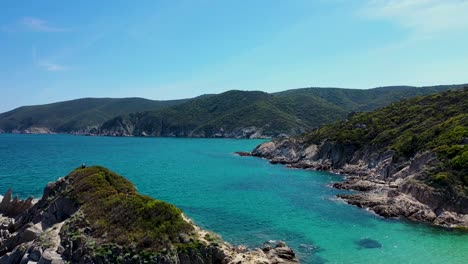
[235, 113]
[264, 115]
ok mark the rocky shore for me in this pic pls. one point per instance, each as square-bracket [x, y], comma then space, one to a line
[121, 131]
[389, 188]
[63, 227]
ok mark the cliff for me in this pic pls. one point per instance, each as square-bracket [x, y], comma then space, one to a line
[96, 216]
[406, 160]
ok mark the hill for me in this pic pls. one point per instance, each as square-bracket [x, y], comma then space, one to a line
[94, 215]
[231, 114]
[80, 115]
[410, 158]
[248, 114]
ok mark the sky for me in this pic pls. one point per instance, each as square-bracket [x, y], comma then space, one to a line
[166, 49]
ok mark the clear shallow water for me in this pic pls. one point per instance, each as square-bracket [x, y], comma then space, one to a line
[245, 199]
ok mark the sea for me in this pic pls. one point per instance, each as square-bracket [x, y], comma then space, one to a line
[245, 200]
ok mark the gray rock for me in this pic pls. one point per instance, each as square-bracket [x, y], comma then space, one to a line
[50, 257]
[29, 234]
[280, 244]
[6, 201]
[35, 253]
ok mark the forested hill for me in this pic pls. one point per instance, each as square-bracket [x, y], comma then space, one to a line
[80, 115]
[229, 114]
[256, 114]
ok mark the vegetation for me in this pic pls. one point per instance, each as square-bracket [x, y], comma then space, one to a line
[438, 123]
[76, 115]
[290, 112]
[118, 214]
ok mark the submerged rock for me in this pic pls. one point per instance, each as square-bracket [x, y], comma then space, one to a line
[243, 153]
[368, 243]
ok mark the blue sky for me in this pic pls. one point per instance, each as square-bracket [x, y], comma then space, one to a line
[58, 50]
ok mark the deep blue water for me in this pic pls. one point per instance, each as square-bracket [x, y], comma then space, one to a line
[244, 199]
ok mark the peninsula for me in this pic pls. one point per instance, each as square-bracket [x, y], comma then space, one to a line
[409, 159]
[94, 215]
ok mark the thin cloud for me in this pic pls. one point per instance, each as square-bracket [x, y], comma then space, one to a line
[46, 64]
[52, 67]
[40, 25]
[425, 17]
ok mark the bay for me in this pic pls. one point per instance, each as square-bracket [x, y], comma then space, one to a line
[244, 199]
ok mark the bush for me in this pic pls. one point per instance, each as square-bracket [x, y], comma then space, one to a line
[117, 212]
[442, 178]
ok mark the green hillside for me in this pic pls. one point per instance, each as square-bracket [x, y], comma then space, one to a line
[75, 115]
[437, 123]
[229, 114]
[360, 100]
[244, 113]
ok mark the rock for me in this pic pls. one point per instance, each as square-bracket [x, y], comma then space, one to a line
[15, 256]
[280, 244]
[24, 260]
[35, 253]
[50, 257]
[285, 253]
[243, 153]
[16, 207]
[29, 234]
[280, 254]
[451, 220]
[368, 243]
[241, 249]
[6, 201]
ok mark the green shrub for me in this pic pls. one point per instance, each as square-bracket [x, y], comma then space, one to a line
[117, 212]
[442, 178]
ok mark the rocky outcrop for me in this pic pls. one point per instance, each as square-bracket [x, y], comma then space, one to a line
[58, 229]
[132, 127]
[389, 188]
[33, 130]
[12, 208]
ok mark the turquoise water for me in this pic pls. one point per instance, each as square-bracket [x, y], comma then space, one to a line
[244, 199]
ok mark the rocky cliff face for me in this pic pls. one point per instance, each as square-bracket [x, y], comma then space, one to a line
[388, 187]
[131, 127]
[72, 223]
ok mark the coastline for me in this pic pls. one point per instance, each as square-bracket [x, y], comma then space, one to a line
[133, 136]
[55, 229]
[390, 195]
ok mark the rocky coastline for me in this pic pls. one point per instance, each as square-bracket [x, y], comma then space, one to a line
[58, 229]
[389, 188]
[240, 133]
